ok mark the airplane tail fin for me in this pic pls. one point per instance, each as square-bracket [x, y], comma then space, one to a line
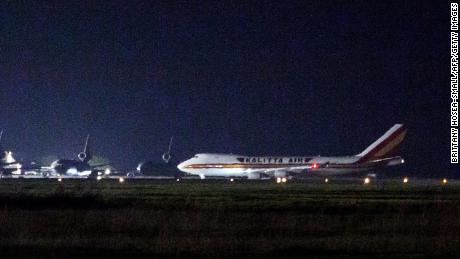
[386, 145]
[85, 156]
[167, 155]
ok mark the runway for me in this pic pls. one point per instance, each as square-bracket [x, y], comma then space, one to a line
[219, 218]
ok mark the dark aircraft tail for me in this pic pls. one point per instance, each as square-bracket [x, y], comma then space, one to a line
[85, 156]
[167, 155]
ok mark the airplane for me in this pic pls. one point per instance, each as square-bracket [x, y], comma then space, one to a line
[378, 155]
[165, 168]
[8, 165]
[74, 167]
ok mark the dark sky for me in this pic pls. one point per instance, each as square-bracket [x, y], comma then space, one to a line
[306, 78]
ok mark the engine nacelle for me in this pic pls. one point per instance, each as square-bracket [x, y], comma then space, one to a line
[396, 161]
[280, 174]
[253, 176]
[166, 157]
[82, 156]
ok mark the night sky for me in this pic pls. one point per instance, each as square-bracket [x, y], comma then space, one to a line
[257, 78]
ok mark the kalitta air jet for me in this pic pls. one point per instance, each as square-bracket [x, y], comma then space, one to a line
[378, 155]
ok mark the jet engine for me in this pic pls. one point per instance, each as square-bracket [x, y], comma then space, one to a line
[166, 157]
[280, 174]
[82, 156]
[253, 176]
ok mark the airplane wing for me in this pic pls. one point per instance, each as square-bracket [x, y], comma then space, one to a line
[9, 163]
[385, 159]
[291, 169]
[394, 160]
[100, 165]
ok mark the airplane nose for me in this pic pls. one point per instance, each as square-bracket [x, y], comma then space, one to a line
[181, 166]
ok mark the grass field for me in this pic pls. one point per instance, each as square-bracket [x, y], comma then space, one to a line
[220, 219]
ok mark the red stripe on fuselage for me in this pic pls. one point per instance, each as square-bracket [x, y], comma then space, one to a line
[246, 166]
[243, 165]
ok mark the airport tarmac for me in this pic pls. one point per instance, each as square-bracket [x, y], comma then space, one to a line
[315, 180]
[218, 218]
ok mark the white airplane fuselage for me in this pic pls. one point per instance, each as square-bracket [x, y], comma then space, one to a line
[227, 165]
[377, 155]
[230, 165]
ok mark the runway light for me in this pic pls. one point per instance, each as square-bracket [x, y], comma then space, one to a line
[284, 179]
[367, 180]
[121, 180]
[231, 179]
[98, 177]
[315, 166]
[405, 180]
[178, 180]
[59, 179]
[326, 180]
[278, 180]
[444, 181]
